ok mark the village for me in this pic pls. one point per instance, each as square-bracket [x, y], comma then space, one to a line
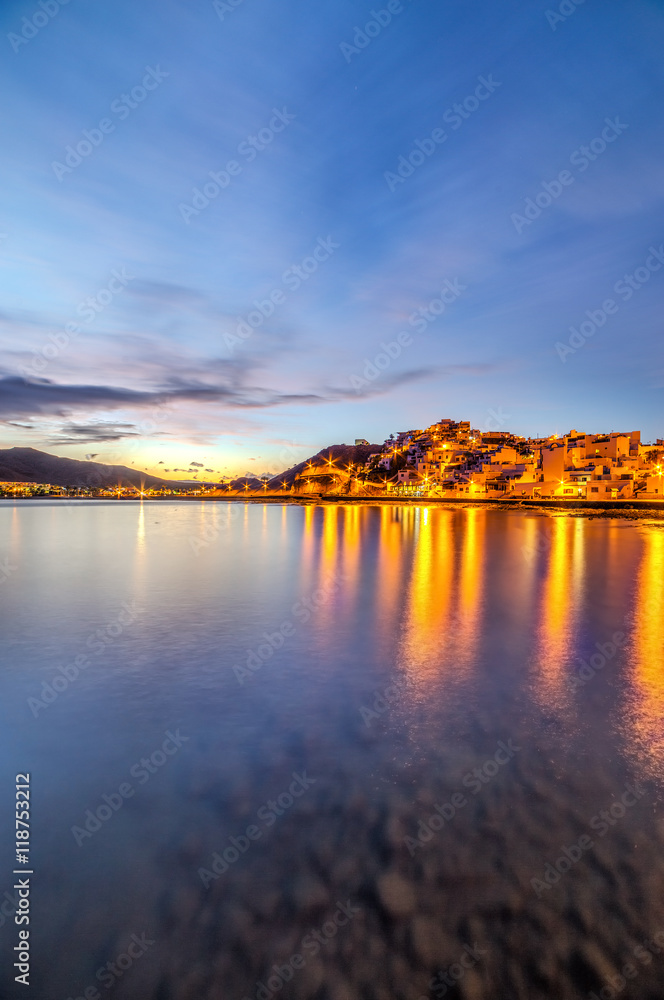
[451, 459]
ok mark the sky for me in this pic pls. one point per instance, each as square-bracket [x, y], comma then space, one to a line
[233, 233]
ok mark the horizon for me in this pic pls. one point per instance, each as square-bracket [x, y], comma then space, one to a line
[455, 212]
[274, 474]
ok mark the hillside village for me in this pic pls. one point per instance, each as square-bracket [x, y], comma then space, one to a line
[452, 458]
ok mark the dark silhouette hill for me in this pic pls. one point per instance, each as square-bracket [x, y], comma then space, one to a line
[27, 465]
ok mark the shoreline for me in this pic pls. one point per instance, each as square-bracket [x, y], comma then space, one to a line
[629, 507]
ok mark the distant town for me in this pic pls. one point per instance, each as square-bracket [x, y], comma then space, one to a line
[12, 489]
[447, 460]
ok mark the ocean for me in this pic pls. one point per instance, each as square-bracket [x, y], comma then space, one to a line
[332, 752]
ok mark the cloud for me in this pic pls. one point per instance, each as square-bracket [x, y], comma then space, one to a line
[20, 397]
[383, 384]
[91, 456]
[40, 397]
[168, 294]
[198, 465]
[386, 383]
[93, 434]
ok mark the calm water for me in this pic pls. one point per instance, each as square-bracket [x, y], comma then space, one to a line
[328, 676]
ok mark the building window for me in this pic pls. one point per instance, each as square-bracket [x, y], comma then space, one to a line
[594, 489]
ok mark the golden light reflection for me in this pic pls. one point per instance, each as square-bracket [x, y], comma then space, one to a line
[645, 711]
[350, 552]
[140, 528]
[426, 627]
[559, 610]
[308, 574]
[471, 579]
[15, 534]
[326, 584]
[330, 540]
[396, 528]
[140, 570]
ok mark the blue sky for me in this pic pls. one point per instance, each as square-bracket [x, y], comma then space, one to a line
[156, 374]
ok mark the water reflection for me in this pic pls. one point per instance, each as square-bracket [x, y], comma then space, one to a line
[429, 595]
[485, 612]
[560, 607]
[471, 587]
[645, 710]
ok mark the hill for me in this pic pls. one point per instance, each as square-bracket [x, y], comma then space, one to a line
[340, 454]
[27, 465]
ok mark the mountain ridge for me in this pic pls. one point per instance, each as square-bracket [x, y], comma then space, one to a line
[29, 465]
